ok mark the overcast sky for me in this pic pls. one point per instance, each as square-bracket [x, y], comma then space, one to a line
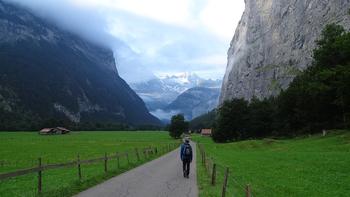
[152, 36]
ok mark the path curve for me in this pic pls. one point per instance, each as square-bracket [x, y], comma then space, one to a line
[161, 177]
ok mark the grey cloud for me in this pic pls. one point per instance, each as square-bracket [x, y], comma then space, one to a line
[164, 115]
[135, 38]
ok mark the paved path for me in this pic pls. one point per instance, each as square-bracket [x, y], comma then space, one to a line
[162, 177]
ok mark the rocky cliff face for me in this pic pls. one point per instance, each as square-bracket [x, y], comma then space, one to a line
[48, 73]
[274, 41]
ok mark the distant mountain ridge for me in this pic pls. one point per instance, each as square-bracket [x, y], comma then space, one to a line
[160, 92]
[195, 102]
[46, 72]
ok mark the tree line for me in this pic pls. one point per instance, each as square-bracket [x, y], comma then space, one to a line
[317, 99]
[29, 122]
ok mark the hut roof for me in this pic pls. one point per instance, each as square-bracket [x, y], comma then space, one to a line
[62, 129]
[45, 129]
[206, 131]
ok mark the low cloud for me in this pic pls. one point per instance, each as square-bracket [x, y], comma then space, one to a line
[150, 36]
[164, 115]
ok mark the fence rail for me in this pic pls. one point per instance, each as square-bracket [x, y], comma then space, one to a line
[212, 169]
[147, 152]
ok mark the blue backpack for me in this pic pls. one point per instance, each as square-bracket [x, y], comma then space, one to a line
[187, 152]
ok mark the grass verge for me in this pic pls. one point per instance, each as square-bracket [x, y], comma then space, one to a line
[21, 149]
[312, 166]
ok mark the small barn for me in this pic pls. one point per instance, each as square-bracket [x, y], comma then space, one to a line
[206, 132]
[53, 131]
[62, 130]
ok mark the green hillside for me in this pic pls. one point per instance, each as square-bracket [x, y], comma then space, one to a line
[310, 166]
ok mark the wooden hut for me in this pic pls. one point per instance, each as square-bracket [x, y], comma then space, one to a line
[52, 131]
[62, 130]
[206, 132]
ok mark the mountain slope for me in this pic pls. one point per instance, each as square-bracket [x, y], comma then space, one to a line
[195, 102]
[274, 42]
[49, 73]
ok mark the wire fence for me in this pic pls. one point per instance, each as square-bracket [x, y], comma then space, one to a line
[115, 159]
[221, 176]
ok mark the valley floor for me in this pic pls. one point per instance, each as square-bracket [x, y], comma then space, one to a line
[310, 166]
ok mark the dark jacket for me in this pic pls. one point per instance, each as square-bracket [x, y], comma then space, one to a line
[182, 151]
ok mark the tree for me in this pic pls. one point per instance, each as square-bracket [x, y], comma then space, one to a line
[318, 98]
[178, 125]
[332, 58]
[261, 117]
[204, 121]
[342, 83]
[328, 51]
[231, 121]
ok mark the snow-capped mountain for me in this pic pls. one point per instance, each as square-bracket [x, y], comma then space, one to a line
[159, 92]
[181, 82]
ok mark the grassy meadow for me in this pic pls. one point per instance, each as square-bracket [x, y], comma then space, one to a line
[19, 150]
[311, 166]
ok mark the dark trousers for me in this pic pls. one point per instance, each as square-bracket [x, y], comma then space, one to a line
[186, 166]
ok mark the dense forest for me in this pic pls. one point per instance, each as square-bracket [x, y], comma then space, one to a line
[317, 99]
[204, 121]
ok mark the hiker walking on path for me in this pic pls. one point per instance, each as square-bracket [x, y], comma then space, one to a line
[186, 157]
[157, 178]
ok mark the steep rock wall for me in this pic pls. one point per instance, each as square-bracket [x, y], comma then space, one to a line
[274, 41]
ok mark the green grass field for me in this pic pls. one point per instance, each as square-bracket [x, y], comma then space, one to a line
[313, 166]
[20, 150]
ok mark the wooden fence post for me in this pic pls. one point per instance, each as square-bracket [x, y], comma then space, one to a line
[144, 154]
[202, 154]
[248, 191]
[204, 159]
[156, 150]
[79, 168]
[206, 165]
[106, 162]
[127, 157]
[39, 176]
[137, 154]
[118, 162]
[210, 165]
[213, 175]
[225, 183]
